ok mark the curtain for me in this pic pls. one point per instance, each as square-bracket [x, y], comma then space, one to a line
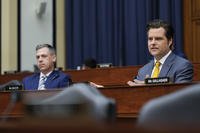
[114, 31]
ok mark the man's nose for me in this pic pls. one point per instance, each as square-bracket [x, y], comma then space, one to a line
[153, 41]
[39, 59]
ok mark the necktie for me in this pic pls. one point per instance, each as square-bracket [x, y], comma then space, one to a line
[41, 85]
[156, 70]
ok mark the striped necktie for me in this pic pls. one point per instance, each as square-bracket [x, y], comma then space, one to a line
[156, 70]
[41, 85]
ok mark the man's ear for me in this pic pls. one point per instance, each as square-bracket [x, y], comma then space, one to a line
[170, 43]
[54, 58]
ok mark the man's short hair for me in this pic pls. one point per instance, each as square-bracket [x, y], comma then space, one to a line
[90, 62]
[50, 47]
[157, 23]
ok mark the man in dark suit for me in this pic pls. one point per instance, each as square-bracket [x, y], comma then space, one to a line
[48, 78]
[165, 62]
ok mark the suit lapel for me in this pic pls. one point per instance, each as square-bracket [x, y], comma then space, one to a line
[50, 78]
[167, 65]
[149, 71]
[36, 80]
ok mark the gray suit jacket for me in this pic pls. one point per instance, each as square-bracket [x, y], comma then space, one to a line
[178, 69]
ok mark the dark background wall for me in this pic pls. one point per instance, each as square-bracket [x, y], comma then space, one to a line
[115, 30]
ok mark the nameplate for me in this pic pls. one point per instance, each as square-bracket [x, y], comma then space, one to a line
[13, 87]
[103, 65]
[159, 80]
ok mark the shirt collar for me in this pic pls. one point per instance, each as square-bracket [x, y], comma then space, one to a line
[46, 75]
[162, 60]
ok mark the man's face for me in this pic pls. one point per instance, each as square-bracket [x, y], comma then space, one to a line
[45, 60]
[158, 44]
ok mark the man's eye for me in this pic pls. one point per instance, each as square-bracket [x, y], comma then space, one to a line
[159, 38]
[44, 56]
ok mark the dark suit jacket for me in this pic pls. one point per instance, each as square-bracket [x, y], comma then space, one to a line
[178, 69]
[56, 79]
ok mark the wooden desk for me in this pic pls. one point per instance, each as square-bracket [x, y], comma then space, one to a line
[129, 99]
[103, 76]
[129, 102]
[35, 125]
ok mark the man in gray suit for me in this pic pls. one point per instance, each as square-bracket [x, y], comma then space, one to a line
[160, 45]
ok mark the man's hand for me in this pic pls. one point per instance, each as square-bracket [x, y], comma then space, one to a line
[135, 82]
[95, 85]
